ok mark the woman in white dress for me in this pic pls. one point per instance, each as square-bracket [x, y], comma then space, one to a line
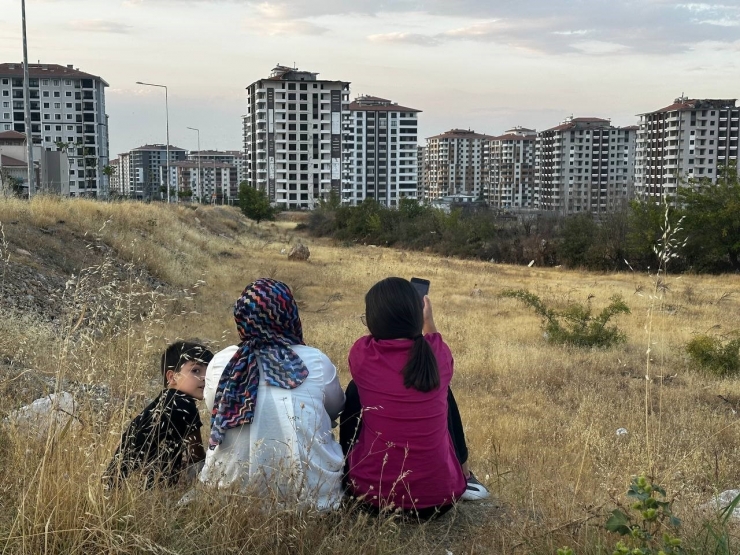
[272, 402]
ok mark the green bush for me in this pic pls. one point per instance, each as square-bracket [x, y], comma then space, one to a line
[575, 325]
[714, 355]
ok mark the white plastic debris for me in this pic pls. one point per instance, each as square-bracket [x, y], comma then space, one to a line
[53, 410]
[622, 431]
[722, 501]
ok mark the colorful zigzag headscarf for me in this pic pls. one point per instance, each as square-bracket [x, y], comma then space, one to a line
[267, 319]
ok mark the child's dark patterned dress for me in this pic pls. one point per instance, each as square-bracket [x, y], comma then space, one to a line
[154, 442]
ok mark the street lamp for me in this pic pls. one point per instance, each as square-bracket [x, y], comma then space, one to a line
[27, 108]
[200, 173]
[167, 113]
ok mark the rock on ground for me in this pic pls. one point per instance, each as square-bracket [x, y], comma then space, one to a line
[299, 252]
[53, 411]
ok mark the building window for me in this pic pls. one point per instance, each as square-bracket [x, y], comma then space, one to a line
[45, 94]
[56, 94]
[56, 82]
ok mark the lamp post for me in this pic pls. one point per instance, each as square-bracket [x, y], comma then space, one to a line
[27, 104]
[167, 113]
[200, 173]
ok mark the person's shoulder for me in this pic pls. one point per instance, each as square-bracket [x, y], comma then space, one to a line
[361, 344]
[311, 355]
[223, 357]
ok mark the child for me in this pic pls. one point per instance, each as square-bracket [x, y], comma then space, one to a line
[164, 440]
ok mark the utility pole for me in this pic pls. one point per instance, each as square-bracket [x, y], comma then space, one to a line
[27, 107]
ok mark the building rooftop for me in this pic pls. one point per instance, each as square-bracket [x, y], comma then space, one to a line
[377, 104]
[515, 137]
[683, 103]
[10, 137]
[460, 134]
[9, 162]
[573, 123]
[157, 146]
[47, 71]
[286, 73]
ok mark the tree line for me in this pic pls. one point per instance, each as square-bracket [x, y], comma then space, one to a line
[698, 229]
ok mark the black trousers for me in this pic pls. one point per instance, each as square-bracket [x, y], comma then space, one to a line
[350, 423]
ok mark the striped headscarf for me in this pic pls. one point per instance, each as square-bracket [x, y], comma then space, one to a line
[267, 319]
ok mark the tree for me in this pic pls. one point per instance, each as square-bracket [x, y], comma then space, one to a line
[254, 204]
[712, 221]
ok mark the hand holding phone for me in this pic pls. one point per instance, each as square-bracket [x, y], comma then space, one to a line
[421, 286]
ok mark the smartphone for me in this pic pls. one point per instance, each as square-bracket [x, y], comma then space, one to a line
[421, 286]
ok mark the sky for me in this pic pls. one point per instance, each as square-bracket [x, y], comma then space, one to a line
[486, 65]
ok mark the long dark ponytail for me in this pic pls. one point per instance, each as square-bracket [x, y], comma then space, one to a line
[394, 310]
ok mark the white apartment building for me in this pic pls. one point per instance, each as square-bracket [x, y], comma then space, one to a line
[584, 165]
[233, 158]
[508, 169]
[216, 185]
[383, 163]
[67, 114]
[688, 139]
[454, 164]
[297, 140]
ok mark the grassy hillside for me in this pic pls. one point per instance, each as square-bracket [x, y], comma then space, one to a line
[106, 286]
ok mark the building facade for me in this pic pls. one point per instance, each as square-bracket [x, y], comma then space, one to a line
[688, 139]
[51, 168]
[454, 164]
[584, 165]
[421, 169]
[297, 141]
[383, 152]
[233, 158]
[147, 169]
[208, 182]
[67, 114]
[508, 169]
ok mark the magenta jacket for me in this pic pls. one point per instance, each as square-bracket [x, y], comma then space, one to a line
[404, 455]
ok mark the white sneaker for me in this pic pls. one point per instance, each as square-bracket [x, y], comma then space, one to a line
[475, 490]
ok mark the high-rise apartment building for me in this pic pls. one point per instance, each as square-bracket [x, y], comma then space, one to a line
[216, 184]
[67, 114]
[233, 158]
[383, 152]
[508, 169]
[454, 163]
[584, 165]
[688, 139]
[142, 171]
[297, 141]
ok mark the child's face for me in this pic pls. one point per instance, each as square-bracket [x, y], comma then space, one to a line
[191, 379]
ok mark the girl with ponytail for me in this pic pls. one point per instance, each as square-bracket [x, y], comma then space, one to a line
[401, 431]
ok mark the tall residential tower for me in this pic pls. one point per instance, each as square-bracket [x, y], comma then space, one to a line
[297, 142]
[67, 114]
[688, 139]
[584, 165]
[384, 153]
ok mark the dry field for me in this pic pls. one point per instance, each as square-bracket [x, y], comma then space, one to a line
[540, 420]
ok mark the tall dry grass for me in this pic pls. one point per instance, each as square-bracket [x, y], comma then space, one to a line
[540, 420]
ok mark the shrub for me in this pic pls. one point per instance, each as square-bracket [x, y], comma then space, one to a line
[714, 355]
[575, 325]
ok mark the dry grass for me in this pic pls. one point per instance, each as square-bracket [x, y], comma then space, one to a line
[540, 419]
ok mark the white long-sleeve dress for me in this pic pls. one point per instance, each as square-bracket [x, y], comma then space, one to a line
[288, 453]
